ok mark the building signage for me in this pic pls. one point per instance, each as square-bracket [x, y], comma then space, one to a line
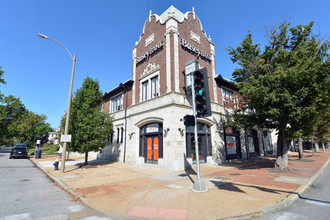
[66, 138]
[152, 128]
[231, 145]
[149, 52]
[195, 50]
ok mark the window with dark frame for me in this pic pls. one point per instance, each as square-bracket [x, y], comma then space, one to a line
[117, 135]
[122, 132]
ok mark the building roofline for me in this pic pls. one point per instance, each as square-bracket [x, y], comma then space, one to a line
[118, 87]
[226, 82]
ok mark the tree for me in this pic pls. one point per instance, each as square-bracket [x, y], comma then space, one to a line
[281, 83]
[88, 125]
[1, 81]
[12, 111]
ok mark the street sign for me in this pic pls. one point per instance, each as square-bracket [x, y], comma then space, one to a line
[38, 141]
[190, 67]
[66, 138]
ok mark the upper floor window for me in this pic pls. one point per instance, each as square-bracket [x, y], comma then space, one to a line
[154, 87]
[150, 88]
[145, 88]
[116, 103]
[227, 96]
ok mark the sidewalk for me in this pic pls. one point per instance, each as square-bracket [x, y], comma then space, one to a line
[240, 189]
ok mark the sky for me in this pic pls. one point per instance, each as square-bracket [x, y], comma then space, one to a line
[102, 34]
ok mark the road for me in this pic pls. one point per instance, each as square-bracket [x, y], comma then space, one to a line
[27, 193]
[313, 204]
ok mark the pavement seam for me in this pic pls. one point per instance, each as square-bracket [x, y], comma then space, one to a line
[289, 199]
[64, 186]
[293, 196]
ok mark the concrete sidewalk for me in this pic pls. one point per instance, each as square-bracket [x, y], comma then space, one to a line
[241, 189]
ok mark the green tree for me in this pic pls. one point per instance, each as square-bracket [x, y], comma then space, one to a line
[12, 111]
[281, 83]
[31, 127]
[1, 81]
[88, 125]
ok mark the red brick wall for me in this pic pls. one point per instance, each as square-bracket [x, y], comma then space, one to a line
[184, 29]
[159, 57]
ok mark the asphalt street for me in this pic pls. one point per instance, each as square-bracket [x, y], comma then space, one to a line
[313, 204]
[26, 193]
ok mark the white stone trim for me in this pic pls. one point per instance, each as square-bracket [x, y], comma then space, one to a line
[214, 73]
[149, 40]
[168, 63]
[195, 37]
[151, 68]
[176, 62]
[134, 75]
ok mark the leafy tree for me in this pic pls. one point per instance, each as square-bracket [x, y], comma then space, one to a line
[16, 122]
[12, 111]
[88, 125]
[281, 83]
[32, 127]
[1, 81]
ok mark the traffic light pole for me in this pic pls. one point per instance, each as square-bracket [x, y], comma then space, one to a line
[199, 185]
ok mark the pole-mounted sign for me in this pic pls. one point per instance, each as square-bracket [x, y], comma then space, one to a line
[66, 138]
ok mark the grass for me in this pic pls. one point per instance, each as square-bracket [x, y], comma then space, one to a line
[47, 149]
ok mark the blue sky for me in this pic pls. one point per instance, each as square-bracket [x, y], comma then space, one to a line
[102, 33]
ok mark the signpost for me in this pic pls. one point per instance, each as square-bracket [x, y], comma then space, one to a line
[190, 67]
[38, 153]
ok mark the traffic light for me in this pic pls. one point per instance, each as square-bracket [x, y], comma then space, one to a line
[189, 120]
[202, 95]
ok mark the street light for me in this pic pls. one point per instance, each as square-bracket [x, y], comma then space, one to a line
[69, 102]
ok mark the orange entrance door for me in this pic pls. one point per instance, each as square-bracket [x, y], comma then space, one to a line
[152, 148]
[156, 147]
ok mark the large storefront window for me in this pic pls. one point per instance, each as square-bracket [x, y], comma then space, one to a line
[252, 143]
[268, 146]
[151, 142]
[232, 143]
[204, 142]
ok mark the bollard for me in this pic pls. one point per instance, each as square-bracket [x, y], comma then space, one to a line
[56, 164]
[38, 154]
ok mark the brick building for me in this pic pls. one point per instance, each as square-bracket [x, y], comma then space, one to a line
[148, 109]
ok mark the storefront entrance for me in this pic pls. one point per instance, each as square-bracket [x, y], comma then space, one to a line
[152, 149]
[204, 142]
[252, 143]
[232, 143]
[267, 141]
[151, 142]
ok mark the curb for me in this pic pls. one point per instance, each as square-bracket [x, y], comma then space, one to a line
[288, 200]
[62, 184]
[292, 197]
[296, 194]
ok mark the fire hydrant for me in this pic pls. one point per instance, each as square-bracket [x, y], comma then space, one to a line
[56, 164]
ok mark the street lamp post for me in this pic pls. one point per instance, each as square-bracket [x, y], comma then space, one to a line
[69, 101]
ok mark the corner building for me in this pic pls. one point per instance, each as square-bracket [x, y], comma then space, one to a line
[148, 109]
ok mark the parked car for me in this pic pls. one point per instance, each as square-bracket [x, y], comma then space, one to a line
[19, 150]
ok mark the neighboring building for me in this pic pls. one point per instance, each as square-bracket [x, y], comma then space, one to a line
[53, 136]
[154, 101]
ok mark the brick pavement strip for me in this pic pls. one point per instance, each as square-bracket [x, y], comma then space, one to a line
[240, 189]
